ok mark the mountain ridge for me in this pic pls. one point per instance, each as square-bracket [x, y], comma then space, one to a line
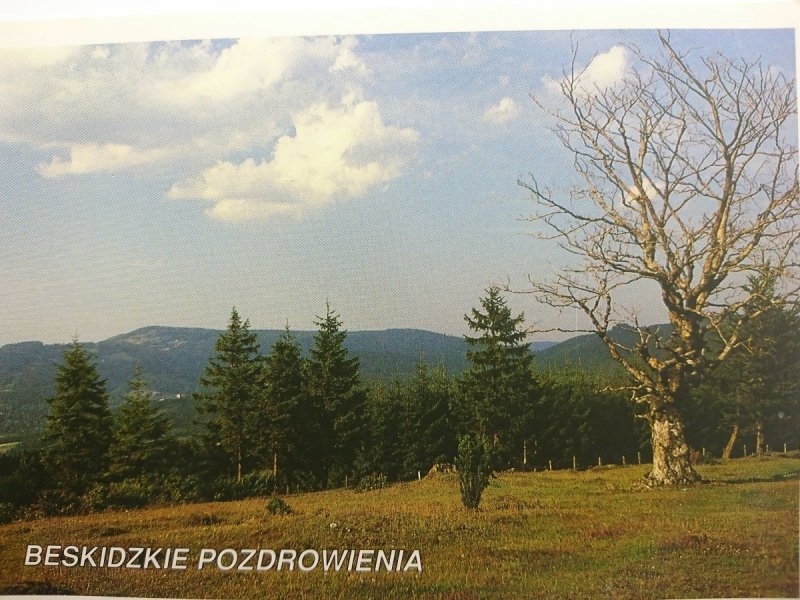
[174, 358]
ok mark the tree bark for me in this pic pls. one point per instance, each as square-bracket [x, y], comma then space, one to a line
[726, 453]
[760, 438]
[671, 464]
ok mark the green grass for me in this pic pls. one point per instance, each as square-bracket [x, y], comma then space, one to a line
[545, 535]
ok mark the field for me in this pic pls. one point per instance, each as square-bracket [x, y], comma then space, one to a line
[538, 535]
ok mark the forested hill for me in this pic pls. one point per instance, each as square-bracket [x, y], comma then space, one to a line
[173, 359]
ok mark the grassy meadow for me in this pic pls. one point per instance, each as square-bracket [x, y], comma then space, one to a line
[554, 534]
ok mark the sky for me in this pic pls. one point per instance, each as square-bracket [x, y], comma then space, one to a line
[163, 183]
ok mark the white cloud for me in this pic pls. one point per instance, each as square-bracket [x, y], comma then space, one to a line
[334, 153]
[607, 68]
[603, 71]
[246, 67]
[209, 108]
[347, 58]
[91, 158]
[502, 112]
[157, 95]
[18, 60]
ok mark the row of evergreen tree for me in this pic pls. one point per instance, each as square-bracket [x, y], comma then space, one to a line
[285, 421]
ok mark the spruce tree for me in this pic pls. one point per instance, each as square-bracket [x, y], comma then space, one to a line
[286, 413]
[336, 386]
[432, 439]
[498, 381]
[394, 430]
[230, 397]
[141, 434]
[78, 431]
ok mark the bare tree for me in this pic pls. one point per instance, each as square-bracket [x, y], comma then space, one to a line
[688, 180]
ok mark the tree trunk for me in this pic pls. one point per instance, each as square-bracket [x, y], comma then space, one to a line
[760, 438]
[671, 464]
[726, 453]
[239, 465]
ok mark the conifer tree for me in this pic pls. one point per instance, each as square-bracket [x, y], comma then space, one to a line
[499, 379]
[336, 386]
[79, 422]
[231, 394]
[286, 415]
[394, 427]
[434, 437]
[141, 434]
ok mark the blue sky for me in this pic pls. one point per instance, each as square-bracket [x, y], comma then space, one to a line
[164, 183]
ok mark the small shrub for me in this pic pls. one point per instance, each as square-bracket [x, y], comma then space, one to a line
[373, 481]
[55, 502]
[175, 488]
[259, 483]
[473, 464]
[305, 481]
[276, 506]
[205, 519]
[96, 497]
[8, 512]
[135, 492]
[441, 467]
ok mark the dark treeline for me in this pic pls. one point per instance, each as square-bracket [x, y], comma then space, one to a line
[287, 421]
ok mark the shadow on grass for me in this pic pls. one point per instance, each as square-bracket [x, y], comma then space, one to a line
[762, 479]
[35, 588]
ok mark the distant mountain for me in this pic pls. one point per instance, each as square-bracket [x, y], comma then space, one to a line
[589, 351]
[585, 351]
[174, 358]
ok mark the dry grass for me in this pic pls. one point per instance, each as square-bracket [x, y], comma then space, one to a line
[546, 535]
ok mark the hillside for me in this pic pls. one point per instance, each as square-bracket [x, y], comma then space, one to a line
[558, 534]
[589, 352]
